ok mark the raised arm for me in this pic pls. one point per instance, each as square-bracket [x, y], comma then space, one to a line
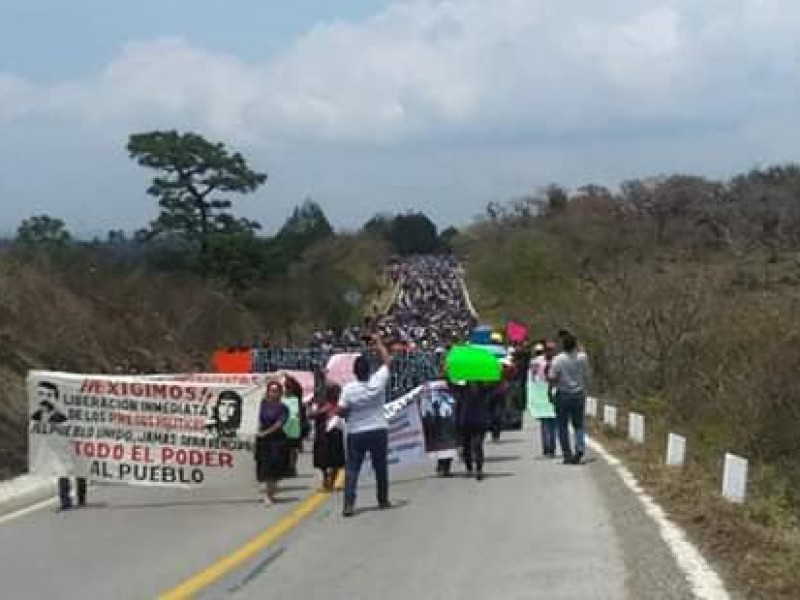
[383, 352]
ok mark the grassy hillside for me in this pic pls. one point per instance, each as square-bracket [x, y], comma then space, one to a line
[78, 311]
[687, 295]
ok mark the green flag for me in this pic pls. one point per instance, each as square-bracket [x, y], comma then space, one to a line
[539, 404]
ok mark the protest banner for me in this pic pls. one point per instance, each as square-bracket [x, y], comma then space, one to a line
[409, 443]
[142, 430]
[304, 378]
[539, 405]
[437, 408]
[406, 437]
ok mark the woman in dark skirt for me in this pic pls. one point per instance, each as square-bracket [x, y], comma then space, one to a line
[328, 441]
[271, 451]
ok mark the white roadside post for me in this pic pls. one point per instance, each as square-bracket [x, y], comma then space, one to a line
[676, 450]
[734, 478]
[636, 427]
[591, 407]
[610, 415]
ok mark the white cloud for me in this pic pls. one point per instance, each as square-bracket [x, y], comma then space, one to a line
[425, 66]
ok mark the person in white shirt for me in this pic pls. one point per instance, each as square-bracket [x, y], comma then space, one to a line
[361, 404]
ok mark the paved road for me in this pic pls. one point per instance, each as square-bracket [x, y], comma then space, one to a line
[131, 543]
[533, 529]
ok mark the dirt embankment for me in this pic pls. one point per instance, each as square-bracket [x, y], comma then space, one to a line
[90, 318]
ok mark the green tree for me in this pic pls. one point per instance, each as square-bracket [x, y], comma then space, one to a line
[379, 226]
[413, 233]
[447, 237]
[237, 258]
[43, 231]
[306, 226]
[193, 174]
[557, 198]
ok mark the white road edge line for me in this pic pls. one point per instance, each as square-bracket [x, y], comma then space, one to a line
[704, 581]
[27, 510]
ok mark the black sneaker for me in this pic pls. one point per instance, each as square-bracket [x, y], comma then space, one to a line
[578, 458]
[384, 505]
[479, 476]
[568, 460]
[348, 511]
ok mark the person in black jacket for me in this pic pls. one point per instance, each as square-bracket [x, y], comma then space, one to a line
[474, 420]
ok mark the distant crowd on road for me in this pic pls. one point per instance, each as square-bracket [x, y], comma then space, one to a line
[429, 311]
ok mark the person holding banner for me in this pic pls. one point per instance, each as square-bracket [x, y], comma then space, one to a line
[271, 450]
[367, 429]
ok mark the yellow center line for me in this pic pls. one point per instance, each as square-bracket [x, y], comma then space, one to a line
[225, 565]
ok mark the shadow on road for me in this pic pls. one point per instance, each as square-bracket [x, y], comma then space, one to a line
[486, 475]
[294, 488]
[286, 499]
[177, 503]
[502, 442]
[396, 504]
[502, 458]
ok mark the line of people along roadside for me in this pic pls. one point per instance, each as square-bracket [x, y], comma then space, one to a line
[360, 406]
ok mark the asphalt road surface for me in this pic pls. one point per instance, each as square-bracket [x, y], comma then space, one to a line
[532, 529]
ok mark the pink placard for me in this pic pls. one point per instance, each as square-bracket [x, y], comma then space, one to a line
[340, 368]
[306, 381]
[516, 332]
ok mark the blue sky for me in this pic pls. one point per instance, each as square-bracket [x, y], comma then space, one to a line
[57, 39]
[367, 105]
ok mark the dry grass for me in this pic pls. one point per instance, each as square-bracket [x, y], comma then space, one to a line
[759, 559]
[77, 313]
[702, 341]
[93, 319]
